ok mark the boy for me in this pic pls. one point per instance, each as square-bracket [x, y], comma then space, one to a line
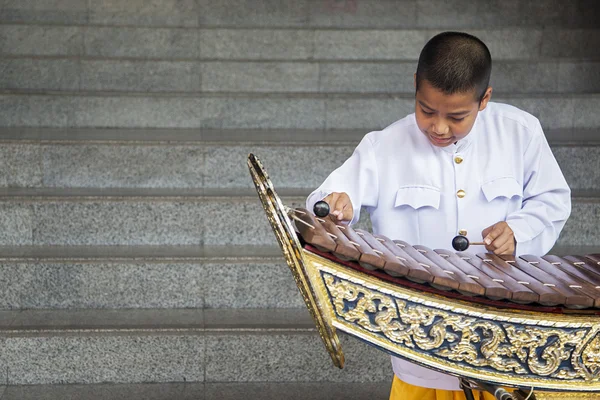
[458, 165]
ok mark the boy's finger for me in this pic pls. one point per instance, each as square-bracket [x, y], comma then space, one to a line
[487, 230]
[493, 234]
[502, 240]
[506, 249]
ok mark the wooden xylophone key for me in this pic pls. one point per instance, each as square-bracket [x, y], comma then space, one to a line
[417, 273]
[312, 231]
[574, 267]
[344, 250]
[573, 297]
[557, 269]
[391, 262]
[466, 284]
[368, 258]
[519, 293]
[594, 258]
[493, 290]
[547, 295]
[441, 279]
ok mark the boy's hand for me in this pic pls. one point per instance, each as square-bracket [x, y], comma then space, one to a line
[499, 239]
[340, 207]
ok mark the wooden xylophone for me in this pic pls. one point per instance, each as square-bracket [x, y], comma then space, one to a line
[571, 281]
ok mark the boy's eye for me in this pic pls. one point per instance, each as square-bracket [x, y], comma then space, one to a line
[426, 112]
[457, 119]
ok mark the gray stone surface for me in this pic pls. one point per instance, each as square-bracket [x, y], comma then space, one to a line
[462, 14]
[264, 113]
[367, 113]
[119, 222]
[248, 13]
[145, 12]
[510, 43]
[255, 44]
[582, 227]
[380, 14]
[102, 284]
[41, 40]
[580, 166]
[586, 113]
[141, 42]
[525, 77]
[131, 391]
[579, 77]
[39, 74]
[142, 112]
[283, 320]
[104, 358]
[3, 368]
[17, 221]
[20, 165]
[250, 286]
[140, 76]
[368, 45]
[260, 77]
[583, 43]
[298, 391]
[201, 391]
[553, 112]
[297, 358]
[289, 166]
[103, 166]
[49, 11]
[33, 110]
[235, 222]
[367, 77]
[27, 321]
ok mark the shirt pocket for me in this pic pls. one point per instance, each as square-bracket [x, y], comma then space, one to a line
[418, 197]
[507, 187]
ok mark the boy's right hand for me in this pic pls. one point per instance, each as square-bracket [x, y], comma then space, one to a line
[340, 206]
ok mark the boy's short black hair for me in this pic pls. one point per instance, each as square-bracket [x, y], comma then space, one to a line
[455, 62]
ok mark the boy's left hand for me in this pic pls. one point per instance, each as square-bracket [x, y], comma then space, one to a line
[499, 239]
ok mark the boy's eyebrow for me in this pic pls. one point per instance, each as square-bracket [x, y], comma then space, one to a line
[453, 113]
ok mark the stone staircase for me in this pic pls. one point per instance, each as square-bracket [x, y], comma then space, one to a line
[135, 258]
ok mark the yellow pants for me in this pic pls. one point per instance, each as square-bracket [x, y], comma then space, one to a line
[403, 391]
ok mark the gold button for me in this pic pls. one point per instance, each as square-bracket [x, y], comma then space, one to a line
[461, 193]
[458, 159]
[462, 232]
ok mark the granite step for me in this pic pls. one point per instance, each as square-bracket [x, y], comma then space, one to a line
[130, 42]
[299, 137]
[258, 110]
[61, 277]
[306, 13]
[159, 346]
[147, 277]
[202, 391]
[195, 159]
[74, 218]
[142, 76]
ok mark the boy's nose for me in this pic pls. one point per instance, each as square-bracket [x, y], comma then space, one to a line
[440, 128]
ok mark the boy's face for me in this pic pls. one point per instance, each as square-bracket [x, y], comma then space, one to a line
[446, 118]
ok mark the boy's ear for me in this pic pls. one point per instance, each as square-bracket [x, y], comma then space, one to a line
[415, 80]
[486, 98]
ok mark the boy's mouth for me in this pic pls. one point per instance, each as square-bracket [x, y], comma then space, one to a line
[439, 140]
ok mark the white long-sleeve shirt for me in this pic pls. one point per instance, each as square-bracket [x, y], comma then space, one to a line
[504, 166]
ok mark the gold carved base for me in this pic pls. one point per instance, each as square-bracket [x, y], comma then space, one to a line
[499, 346]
